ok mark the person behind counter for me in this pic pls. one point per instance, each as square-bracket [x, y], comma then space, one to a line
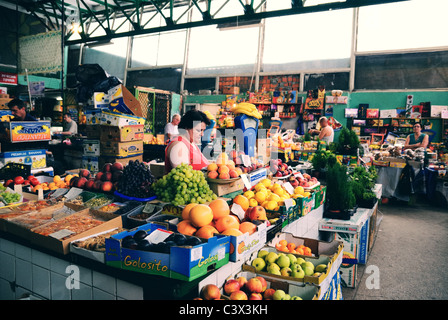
[417, 139]
[171, 128]
[184, 148]
[326, 132]
[19, 112]
[70, 126]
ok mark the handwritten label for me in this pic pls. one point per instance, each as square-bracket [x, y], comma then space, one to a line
[236, 209]
[288, 186]
[288, 203]
[246, 160]
[246, 181]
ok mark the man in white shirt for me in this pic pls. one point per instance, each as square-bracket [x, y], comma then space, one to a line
[70, 126]
[326, 133]
[171, 128]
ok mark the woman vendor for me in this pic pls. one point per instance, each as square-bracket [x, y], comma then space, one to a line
[184, 148]
[417, 139]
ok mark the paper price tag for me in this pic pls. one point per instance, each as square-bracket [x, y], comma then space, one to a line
[61, 234]
[288, 203]
[158, 235]
[238, 211]
[246, 160]
[246, 181]
[299, 175]
[288, 186]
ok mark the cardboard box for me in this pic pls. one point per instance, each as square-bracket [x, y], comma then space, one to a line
[436, 111]
[90, 163]
[93, 116]
[124, 161]
[121, 149]
[223, 189]
[4, 103]
[244, 245]
[184, 263]
[122, 134]
[348, 275]
[91, 147]
[28, 131]
[231, 90]
[93, 132]
[36, 158]
[63, 246]
[110, 118]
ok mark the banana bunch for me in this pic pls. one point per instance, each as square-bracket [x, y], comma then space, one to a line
[246, 108]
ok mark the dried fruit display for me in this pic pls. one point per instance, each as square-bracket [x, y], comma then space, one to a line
[97, 243]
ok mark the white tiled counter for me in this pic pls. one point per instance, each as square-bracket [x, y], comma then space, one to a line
[27, 271]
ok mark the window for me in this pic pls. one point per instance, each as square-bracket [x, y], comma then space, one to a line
[403, 25]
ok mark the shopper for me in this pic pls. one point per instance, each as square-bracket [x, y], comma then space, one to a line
[184, 147]
[326, 132]
[70, 126]
[18, 110]
[417, 139]
[171, 128]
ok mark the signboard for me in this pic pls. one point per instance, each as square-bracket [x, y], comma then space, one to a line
[8, 78]
[22, 131]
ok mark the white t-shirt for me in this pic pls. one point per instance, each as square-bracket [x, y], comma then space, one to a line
[171, 129]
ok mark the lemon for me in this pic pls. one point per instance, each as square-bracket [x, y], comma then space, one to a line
[266, 182]
[259, 186]
[271, 205]
[279, 191]
[249, 194]
[299, 190]
[274, 197]
[253, 202]
[306, 194]
[260, 196]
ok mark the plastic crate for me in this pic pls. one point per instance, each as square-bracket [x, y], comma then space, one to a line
[150, 210]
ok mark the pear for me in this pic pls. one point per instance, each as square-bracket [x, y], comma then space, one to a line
[292, 258]
[262, 254]
[300, 260]
[283, 261]
[321, 268]
[271, 257]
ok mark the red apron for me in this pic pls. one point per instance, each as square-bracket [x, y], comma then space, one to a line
[197, 159]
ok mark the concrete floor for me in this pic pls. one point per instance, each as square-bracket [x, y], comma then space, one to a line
[411, 253]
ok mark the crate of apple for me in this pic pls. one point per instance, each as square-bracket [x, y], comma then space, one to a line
[279, 169]
[19, 180]
[103, 181]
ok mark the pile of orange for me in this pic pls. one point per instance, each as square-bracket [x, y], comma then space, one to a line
[57, 183]
[223, 168]
[205, 221]
[291, 247]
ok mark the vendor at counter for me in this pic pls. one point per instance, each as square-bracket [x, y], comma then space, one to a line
[184, 147]
[18, 110]
[70, 126]
[417, 139]
[326, 132]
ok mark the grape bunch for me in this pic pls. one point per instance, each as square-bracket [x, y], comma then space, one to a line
[136, 180]
[10, 197]
[183, 185]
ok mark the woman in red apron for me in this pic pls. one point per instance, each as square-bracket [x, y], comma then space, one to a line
[184, 148]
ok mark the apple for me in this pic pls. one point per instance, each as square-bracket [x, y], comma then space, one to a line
[89, 184]
[274, 269]
[263, 283]
[285, 272]
[308, 264]
[238, 295]
[296, 298]
[258, 264]
[116, 175]
[292, 258]
[19, 180]
[308, 271]
[210, 292]
[283, 261]
[99, 175]
[117, 166]
[268, 294]
[31, 177]
[107, 186]
[84, 173]
[107, 167]
[279, 295]
[107, 176]
[242, 281]
[8, 182]
[255, 296]
[298, 273]
[231, 285]
[262, 254]
[271, 257]
[254, 285]
[34, 182]
[97, 185]
[287, 297]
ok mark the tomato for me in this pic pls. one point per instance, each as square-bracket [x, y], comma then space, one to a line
[26, 182]
[31, 177]
[8, 182]
[34, 182]
[19, 180]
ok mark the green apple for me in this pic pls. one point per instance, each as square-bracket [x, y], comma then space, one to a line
[273, 265]
[258, 264]
[287, 297]
[271, 257]
[308, 271]
[299, 273]
[262, 254]
[292, 258]
[286, 272]
[300, 260]
[274, 271]
[283, 261]
[321, 268]
[308, 264]
[296, 298]
[279, 295]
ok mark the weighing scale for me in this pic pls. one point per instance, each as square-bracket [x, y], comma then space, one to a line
[249, 127]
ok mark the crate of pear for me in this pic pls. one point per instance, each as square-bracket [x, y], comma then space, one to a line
[272, 263]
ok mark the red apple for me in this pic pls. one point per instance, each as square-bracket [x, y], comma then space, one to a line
[97, 185]
[107, 186]
[8, 182]
[255, 296]
[84, 173]
[242, 281]
[34, 182]
[117, 166]
[231, 285]
[99, 175]
[19, 180]
[238, 295]
[254, 285]
[31, 177]
[107, 176]
[210, 292]
[268, 294]
[107, 167]
[263, 283]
